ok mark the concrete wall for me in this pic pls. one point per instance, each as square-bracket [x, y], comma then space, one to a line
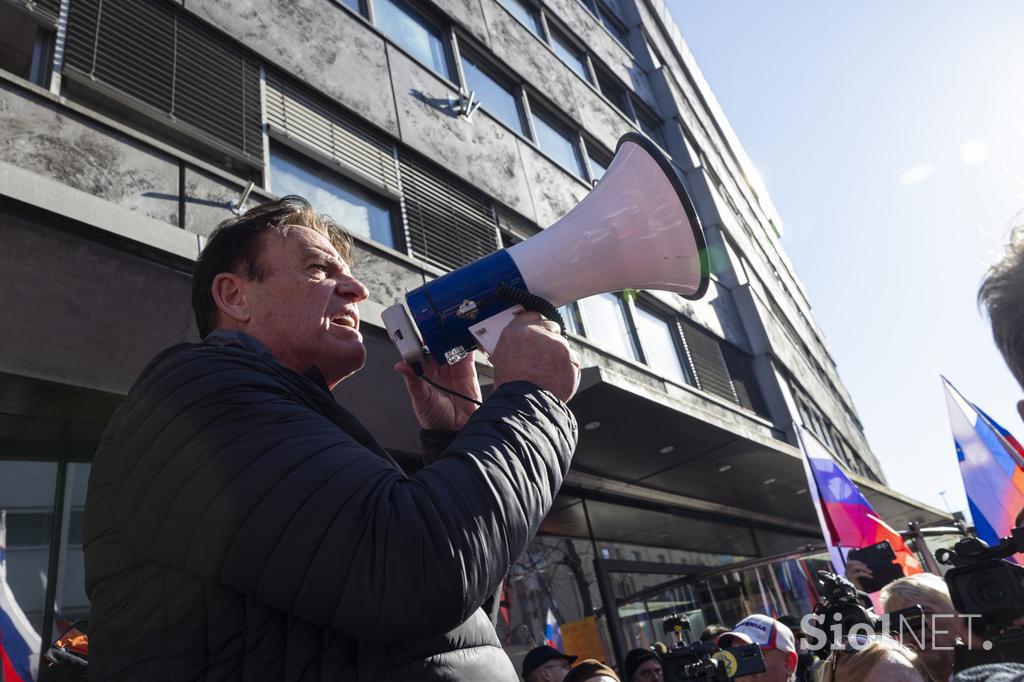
[85, 313]
[317, 41]
[39, 136]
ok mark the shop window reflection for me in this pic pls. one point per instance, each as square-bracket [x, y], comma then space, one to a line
[26, 526]
[70, 603]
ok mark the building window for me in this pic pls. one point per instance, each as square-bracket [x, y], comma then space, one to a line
[598, 163]
[356, 209]
[608, 325]
[610, 22]
[182, 78]
[355, 5]
[26, 48]
[611, 89]
[658, 340]
[525, 13]
[556, 141]
[414, 33]
[574, 57]
[571, 317]
[650, 124]
[496, 97]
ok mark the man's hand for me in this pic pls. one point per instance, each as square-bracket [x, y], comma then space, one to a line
[532, 349]
[855, 570]
[434, 408]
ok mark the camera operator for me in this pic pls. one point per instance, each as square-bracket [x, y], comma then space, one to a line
[932, 641]
[642, 665]
[777, 644]
[866, 658]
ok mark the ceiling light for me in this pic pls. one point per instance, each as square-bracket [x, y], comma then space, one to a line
[667, 449]
[769, 481]
[590, 426]
[725, 467]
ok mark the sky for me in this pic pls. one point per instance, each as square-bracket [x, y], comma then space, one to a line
[890, 136]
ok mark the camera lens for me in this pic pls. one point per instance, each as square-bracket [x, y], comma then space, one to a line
[988, 592]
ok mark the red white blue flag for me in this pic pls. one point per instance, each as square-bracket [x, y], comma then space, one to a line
[848, 521]
[991, 464]
[19, 643]
[552, 633]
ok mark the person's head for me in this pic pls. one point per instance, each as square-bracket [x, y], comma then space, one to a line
[934, 643]
[711, 632]
[280, 273]
[793, 623]
[777, 645]
[869, 659]
[546, 664]
[1002, 295]
[642, 665]
[591, 671]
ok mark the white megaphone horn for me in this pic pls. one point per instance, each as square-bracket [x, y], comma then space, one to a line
[637, 229]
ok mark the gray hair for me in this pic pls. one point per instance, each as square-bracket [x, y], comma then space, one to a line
[1002, 295]
[926, 589]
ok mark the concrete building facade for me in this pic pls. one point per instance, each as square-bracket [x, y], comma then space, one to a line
[130, 128]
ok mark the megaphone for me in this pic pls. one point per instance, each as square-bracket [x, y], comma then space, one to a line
[637, 229]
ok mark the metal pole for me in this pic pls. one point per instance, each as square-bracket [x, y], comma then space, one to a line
[53, 566]
[919, 541]
[611, 611]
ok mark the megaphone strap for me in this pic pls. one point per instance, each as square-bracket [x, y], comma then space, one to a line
[531, 302]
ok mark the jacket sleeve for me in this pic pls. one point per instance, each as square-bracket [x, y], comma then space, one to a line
[225, 474]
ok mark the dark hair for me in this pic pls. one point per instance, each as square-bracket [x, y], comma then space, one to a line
[636, 658]
[711, 632]
[1002, 295]
[236, 246]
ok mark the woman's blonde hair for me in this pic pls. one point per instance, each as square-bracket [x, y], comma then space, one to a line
[859, 665]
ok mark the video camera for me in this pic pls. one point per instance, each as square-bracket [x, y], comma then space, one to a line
[981, 583]
[699, 661]
[842, 607]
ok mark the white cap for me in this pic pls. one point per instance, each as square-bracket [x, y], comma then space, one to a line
[762, 630]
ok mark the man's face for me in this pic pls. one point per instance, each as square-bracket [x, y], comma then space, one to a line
[777, 667]
[306, 309]
[552, 671]
[649, 671]
[935, 641]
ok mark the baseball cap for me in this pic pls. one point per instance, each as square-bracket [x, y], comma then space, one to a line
[587, 669]
[541, 655]
[762, 630]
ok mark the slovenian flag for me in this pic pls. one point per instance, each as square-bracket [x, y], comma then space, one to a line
[847, 519]
[991, 464]
[552, 633]
[19, 643]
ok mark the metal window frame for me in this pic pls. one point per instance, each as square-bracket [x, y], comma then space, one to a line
[658, 309]
[558, 121]
[430, 20]
[314, 156]
[498, 75]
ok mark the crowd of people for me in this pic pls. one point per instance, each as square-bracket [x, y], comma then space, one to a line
[925, 655]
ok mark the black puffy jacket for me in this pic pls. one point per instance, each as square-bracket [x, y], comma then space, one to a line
[241, 525]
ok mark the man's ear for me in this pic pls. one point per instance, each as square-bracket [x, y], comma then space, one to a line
[228, 292]
[792, 658]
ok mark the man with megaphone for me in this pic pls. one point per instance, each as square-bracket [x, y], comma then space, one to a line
[241, 524]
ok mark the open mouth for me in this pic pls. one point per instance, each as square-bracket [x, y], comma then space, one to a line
[345, 320]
